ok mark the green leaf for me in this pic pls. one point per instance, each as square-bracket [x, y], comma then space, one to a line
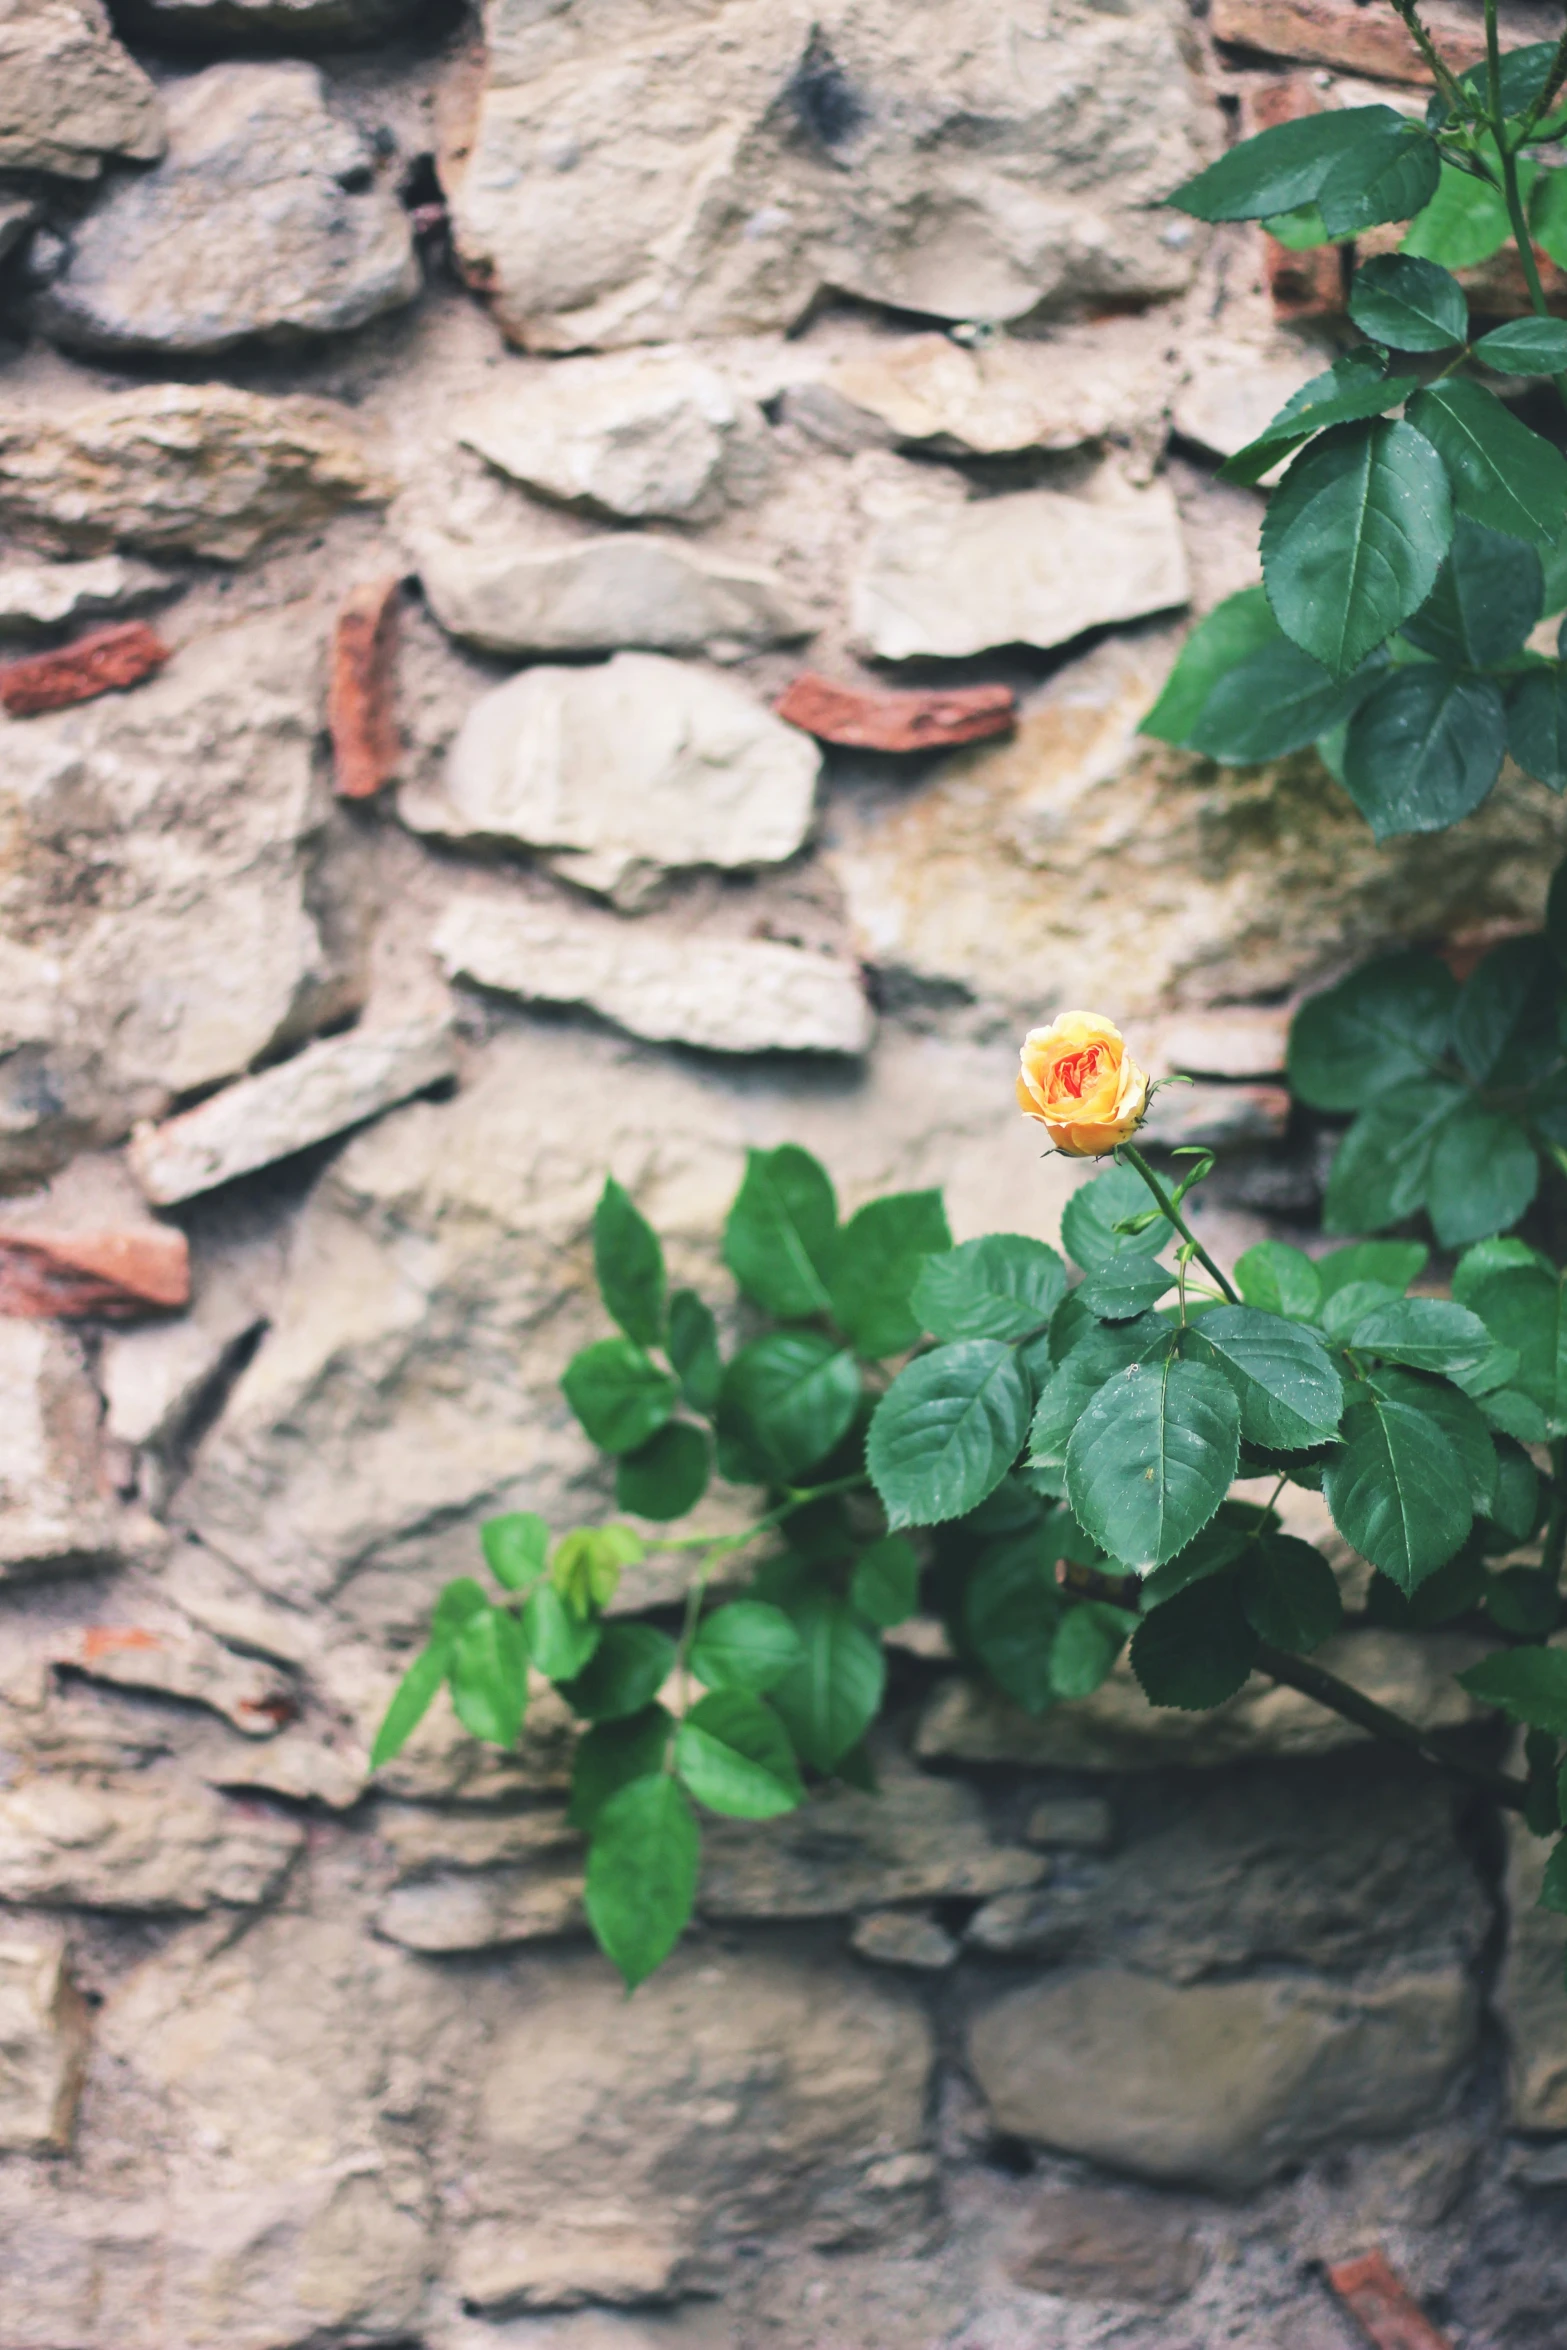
[1502, 474]
[794, 1394]
[1488, 595]
[1290, 1396]
[1126, 1287]
[693, 1349]
[1222, 1541]
[1505, 1029]
[488, 1673]
[1241, 625]
[1527, 1684]
[515, 1547]
[874, 1267]
[947, 1431]
[1464, 223]
[1278, 1279]
[1352, 389]
[1548, 222]
[459, 1601]
[411, 1701]
[1390, 1021]
[1003, 1286]
[1462, 1427]
[1381, 1167]
[1069, 1390]
[1537, 725]
[1393, 1263]
[830, 1698]
[588, 1563]
[1390, 177]
[1512, 1413]
[1274, 702]
[630, 1265]
[1553, 1883]
[781, 1233]
[611, 1755]
[1290, 1594]
[1423, 749]
[560, 1641]
[1478, 1264]
[1524, 1601]
[1091, 1637]
[1483, 1175]
[1090, 1216]
[1012, 1609]
[642, 1870]
[1524, 73]
[1353, 539]
[746, 1645]
[734, 1756]
[1284, 168]
[666, 1477]
[1409, 304]
[1396, 1492]
[1352, 1304]
[1427, 1333]
[1197, 1649]
[1152, 1458]
[1526, 346]
[618, 1393]
[885, 1585]
[1522, 1308]
[625, 1673]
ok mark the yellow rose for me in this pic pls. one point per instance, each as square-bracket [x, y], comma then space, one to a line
[1081, 1083]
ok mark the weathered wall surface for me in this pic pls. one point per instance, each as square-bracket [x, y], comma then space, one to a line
[537, 400]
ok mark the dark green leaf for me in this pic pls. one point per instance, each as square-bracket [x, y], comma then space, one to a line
[1525, 346]
[1428, 1333]
[1126, 1287]
[874, 1267]
[1516, 1505]
[1152, 1458]
[1388, 1022]
[1091, 1637]
[1274, 702]
[781, 1233]
[734, 1755]
[1351, 1304]
[611, 1755]
[1409, 304]
[1069, 1390]
[1512, 1413]
[1524, 1601]
[1278, 1279]
[410, 1702]
[1553, 1883]
[515, 1547]
[746, 1645]
[1396, 1491]
[665, 1478]
[1523, 75]
[1522, 1308]
[1390, 177]
[1487, 1257]
[1505, 1029]
[619, 1394]
[1090, 1216]
[1003, 1286]
[1222, 1541]
[1393, 1263]
[1012, 1609]
[1424, 749]
[1290, 1396]
[1548, 214]
[794, 1394]
[1460, 1423]
[1527, 1684]
[489, 1676]
[642, 1870]
[885, 1585]
[1241, 625]
[1488, 595]
[1290, 1594]
[1288, 166]
[560, 1641]
[693, 1349]
[625, 1673]
[1353, 539]
[630, 1265]
[830, 1698]
[1537, 725]
[1352, 389]
[947, 1431]
[1483, 1175]
[1502, 474]
[1380, 1168]
[1197, 1649]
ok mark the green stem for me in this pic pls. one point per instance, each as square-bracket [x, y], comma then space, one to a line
[1326, 1689]
[798, 1498]
[1554, 1547]
[1458, 98]
[1173, 1214]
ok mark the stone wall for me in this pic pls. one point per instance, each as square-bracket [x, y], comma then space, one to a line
[427, 454]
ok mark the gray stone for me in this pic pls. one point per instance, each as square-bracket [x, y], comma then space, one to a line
[264, 220]
[53, 1516]
[38, 597]
[1529, 1993]
[1232, 388]
[138, 1845]
[485, 1909]
[629, 179]
[647, 436]
[905, 1937]
[72, 95]
[1221, 2085]
[727, 994]
[322, 1091]
[179, 469]
[1035, 568]
[1078, 1823]
[42, 2040]
[625, 771]
[1097, 2244]
[264, 24]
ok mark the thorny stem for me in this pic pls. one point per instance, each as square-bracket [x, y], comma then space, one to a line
[1458, 98]
[1173, 1213]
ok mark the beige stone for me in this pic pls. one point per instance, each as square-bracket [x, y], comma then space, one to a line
[1231, 390]
[149, 1845]
[53, 1516]
[907, 1938]
[633, 176]
[36, 597]
[180, 1660]
[179, 469]
[485, 1909]
[1529, 1993]
[42, 2040]
[1221, 2085]
[729, 995]
[1038, 567]
[72, 95]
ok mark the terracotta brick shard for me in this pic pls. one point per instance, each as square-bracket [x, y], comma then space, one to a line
[117, 1274]
[896, 721]
[1382, 2307]
[1357, 39]
[362, 710]
[107, 661]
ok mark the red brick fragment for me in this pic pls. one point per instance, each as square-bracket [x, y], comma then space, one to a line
[45, 1273]
[105, 662]
[1355, 38]
[1382, 2307]
[366, 746]
[910, 721]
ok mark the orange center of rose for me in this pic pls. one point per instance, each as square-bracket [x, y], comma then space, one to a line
[1078, 1071]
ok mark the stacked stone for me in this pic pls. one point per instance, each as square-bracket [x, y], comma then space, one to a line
[577, 596]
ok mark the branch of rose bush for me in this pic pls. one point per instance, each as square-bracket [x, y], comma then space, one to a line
[1134, 1157]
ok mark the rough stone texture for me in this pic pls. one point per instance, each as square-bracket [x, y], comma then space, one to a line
[1360, 40]
[53, 1514]
[150, 1846]
[957, 168]
[729, 995]
[38, 597]
[903, 1937]
[73, 96]
[1529, 1994]
[1220, 2085]
[930, 721]
[86, 1245]
[106, 661]
[42, 2040]
[264, 219]
[362, 697]
[1038, 568]
[656, 436]
[320, 1092]
[193, 469]
[623, 772]
[183, 1661]
[1090, 2244]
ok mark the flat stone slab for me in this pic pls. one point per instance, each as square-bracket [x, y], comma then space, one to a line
[43, 2039]
[37, 597]
[73, 95]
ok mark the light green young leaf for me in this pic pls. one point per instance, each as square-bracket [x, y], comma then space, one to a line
[947, 1431]
[642, 1872]
[410, 1702]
